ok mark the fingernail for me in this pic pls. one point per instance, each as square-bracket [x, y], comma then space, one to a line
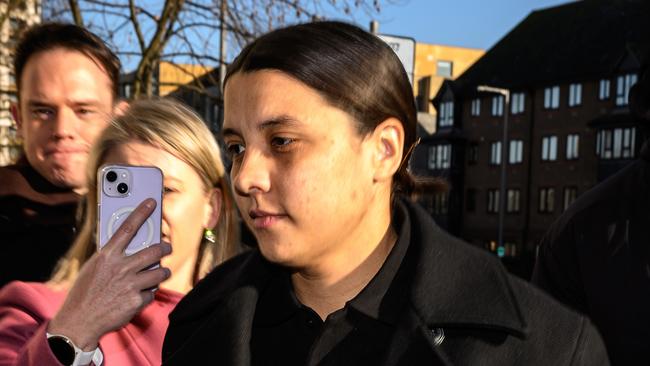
[167, 249]
[150, 203]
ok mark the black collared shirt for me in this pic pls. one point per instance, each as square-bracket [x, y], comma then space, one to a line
[285, 332]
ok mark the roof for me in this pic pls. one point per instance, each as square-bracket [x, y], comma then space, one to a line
[580, 40]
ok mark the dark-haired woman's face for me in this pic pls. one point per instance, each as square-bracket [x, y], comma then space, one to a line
[302, 173]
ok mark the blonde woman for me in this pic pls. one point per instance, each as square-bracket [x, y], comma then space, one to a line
[98, 308]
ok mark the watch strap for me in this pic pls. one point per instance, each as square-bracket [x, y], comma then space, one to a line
[81, 358]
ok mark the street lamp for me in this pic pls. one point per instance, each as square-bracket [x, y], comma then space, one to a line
[504, 141]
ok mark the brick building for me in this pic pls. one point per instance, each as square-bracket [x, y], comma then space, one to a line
[568, 71]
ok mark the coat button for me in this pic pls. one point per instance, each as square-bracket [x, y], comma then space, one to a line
[438, 336]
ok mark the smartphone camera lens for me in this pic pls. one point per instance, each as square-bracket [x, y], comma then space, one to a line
[122, 188]
[111, 176]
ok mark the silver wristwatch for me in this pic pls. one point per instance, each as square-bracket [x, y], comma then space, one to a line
[70, 355]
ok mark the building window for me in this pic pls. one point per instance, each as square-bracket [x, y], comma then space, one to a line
[518, 100]
[439, 157]
[440, 203]
[570, 194]
[470, 203]
[546, 200]
[616, 143]
[623, 85]
[493, 201]
[513, 200]
[495, 153]
[476, 107]
[446, 114]
[515, 153]
[575, 95]
[472, 154]
[549, 148]
[510, 249]
[572, 146]
[552, 97]
[497, 105]
[444, 68]
[603, 89]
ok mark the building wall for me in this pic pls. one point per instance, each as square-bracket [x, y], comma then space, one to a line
[27, 13]
[171, 76]
[526, 227]
[426, 62]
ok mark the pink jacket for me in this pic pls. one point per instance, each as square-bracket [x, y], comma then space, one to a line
[26, 308]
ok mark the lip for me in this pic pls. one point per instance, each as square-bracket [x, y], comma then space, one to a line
[64, 150]
[264, 220]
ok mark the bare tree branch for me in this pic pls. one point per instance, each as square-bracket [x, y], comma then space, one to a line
[76, 12]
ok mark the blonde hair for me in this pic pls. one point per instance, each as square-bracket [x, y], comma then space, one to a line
[171, 126]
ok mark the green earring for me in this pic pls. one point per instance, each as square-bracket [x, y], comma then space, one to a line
[208, 235]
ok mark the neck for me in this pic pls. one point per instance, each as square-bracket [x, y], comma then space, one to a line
[328, 288]
[181, 278]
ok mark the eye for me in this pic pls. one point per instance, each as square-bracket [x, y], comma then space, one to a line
[281, 141]
[235, 149]
[167, 190]
[43, 113]
[84, 111]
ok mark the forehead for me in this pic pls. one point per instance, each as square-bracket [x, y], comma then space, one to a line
[261, 95]
[61, 71]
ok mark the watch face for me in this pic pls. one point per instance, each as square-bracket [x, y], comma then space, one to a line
[63, 350]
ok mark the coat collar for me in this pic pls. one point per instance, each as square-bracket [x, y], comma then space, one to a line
[456, 285]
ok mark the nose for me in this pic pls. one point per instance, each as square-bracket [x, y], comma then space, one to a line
[64, 124]
[252, 175]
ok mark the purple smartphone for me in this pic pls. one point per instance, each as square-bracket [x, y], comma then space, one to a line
[121, 189]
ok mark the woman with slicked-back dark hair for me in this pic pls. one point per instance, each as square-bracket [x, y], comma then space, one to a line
[319, 122]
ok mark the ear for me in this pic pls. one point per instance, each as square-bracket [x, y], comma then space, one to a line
[120, 107]
[14, 108]
[212, 209]
[388, 142]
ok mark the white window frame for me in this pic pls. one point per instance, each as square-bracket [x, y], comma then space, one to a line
[495, 153]
[549, 148]
[513, 200]
[518, 101]
[439, 157]
[446, 114]
[497, 105]
[570, 194]
[604, 88]
[493, 201]
[623, 85]
[515, 152]
[552, 97]
[546, 200]
[445, 65]
[575, 94]
[476, 107]
[572, 146]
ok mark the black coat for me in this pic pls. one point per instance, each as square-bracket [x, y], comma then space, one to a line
[596, 259]
[463, 309]
[37, 223]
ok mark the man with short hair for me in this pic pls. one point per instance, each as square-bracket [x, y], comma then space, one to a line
[67, 82]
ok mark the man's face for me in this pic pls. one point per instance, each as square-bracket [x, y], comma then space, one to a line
[66, 101]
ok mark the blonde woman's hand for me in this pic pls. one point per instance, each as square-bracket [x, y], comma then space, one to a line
[111, 287]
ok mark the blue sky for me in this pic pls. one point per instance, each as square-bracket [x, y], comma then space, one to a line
[466, 23]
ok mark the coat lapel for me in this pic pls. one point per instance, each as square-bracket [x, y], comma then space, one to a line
[455, 289]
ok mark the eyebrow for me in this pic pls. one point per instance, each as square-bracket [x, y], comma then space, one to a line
[39, 103]
[278, 121]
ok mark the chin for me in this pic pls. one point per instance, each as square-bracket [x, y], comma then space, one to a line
[278, 254]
